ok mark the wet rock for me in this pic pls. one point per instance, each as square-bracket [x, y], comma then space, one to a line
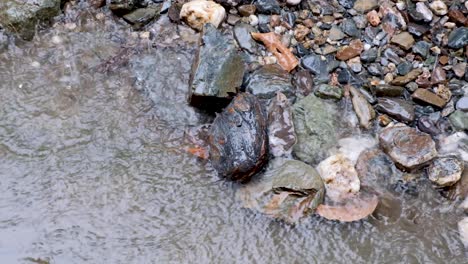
[411, 76]
[363, 109]
[326, 91]
[388, 90]
[218, 70]
[281, 133]
[438, 7]
[348, 4]
[406, 146]
[457, 16]
[424, 11]
[428, 97]
[197, 13]
[404, 40]
[120, 7]
[456, 143]
[339, 176]
[315, 125]
[375, 168]
[427, 125]
[174, 12]
[288, 190]
[272, 42]
[418, 29]
[247, 10]
[396, 108]
[268, 7]
[316, 65]
[238, 139]
[354, 49]
[266, 81]
[303, 82]
[142, 16]
[336, 34]
[364, 6]
[462, 104]
[445, 171]
[438, 75]
[353, 208]
[21, 17]
[459, 120]
[242, 35]
[375, 69]
[458, 38]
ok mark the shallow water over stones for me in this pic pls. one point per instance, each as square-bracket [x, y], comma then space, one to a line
[94, 168]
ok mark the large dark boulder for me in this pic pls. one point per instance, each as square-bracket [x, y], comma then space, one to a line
[217, 71]
[238, 139]
[21, 17]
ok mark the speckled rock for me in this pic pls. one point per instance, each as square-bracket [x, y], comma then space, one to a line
[445, 171]
[281, 134]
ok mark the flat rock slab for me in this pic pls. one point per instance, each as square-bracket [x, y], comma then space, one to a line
[428, 97]
[289, 190]
[217, 71]
[407, 147]
[397, 108]
[238, 139]
[266, 81]
[21, 17]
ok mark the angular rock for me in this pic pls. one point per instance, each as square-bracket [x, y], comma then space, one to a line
[349, 28]
[247, 10]
[142, 16]
[459, 69]
[428, 97]
[445, 171]
[458, 38]
[244, 39]
[268, 7]
[281, 134]
[438, 7]
[285, 58]
[303, 82]
[422, 48]
[21, 17]
[411, 76]
[339, 176]
[197, 13]
[288, 190]
[217, 71]
[317, 66]
[266, 81]
[424, 11]
[327, 91]
[336, 34]
[238, 139]
[369, 55]
[462, 104]
[315, 125]
[354, 49]
[363, 109]
[397, 108]
[404, 40]
[406, 146]
[364, 6]
[121, 7]
[388, 90]
[404, 68]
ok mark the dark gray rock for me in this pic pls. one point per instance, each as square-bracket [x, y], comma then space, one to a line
[458, 38]
[315, 123]
[244, 39]
[142, 16]
[407, 147]
[317, 66]
[21, 17]
[288, 190]
[121, 7]
[427, 125]
[375, 69]
[238, 139]
[349, 28]
[422, 48]
[266, 81]
[404, 68]
[369, 55]
[218, 71]
[397, 108]
[268, 7]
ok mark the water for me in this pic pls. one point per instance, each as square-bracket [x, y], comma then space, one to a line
[93, 168]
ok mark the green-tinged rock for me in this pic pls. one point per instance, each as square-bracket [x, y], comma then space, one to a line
[21, 17]
[288, 190]
[315, 124]
[142, 16]
[268, 80]
[217, 71]
[459, 120]
[327, 91]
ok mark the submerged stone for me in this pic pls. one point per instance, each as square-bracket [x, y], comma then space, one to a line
[217, 71]
[445, 171]
[266, 81]
[407, 147]
[315, 124]
[281, 134]
[238, 139]
[21, 17]
[288, 190]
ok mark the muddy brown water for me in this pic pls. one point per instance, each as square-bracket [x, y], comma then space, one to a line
[93, 168]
